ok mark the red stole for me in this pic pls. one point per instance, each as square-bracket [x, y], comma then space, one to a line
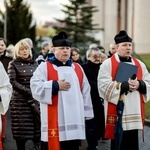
[1, 147]
[53, 133]
[111, 111]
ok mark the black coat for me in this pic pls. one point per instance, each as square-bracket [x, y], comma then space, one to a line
[91, 70]
[23, 124]
[5, 60]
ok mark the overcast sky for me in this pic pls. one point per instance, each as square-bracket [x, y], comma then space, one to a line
[44, 10]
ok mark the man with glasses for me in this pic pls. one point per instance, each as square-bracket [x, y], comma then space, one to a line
[95, 126]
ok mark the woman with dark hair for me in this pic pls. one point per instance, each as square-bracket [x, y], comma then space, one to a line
[3, 58]
[75, 55]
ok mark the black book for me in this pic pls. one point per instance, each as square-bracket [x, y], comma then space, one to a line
[125, 71]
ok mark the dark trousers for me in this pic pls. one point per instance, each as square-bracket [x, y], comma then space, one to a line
[129, 141]
[64, 145]
[91, 135]
[21, 144]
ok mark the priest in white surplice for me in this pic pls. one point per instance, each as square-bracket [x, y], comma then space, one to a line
[5, 95]
[63, 91]
[134, 92]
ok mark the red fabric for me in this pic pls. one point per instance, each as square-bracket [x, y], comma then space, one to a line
[53, 133]
[111, 111]
[79, 74]
[1, 148]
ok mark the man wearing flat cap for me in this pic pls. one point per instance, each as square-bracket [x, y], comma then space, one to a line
[134, 92]
[63, 91]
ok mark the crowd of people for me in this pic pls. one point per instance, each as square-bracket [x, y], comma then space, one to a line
[57, 98]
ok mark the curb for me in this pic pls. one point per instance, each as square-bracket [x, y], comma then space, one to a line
[147, 122]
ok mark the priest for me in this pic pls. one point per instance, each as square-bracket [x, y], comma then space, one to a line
[134, 92]
[5, 95]
[63, 91]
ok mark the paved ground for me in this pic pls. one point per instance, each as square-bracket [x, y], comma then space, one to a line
[9, 143]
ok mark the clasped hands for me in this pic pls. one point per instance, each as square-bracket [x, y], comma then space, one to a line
[64, 85]
[133, 84]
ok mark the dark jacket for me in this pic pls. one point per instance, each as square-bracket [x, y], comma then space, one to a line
[91, 71]
[23, 125]
[5, 60]
[34, 54]
[109, 54]
[79, 61]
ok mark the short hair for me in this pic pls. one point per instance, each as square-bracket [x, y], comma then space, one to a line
[112, 44]
[89, 51]
[10, 50]
[93, 45]
[100, 47]
[29, 41]
[20, 44]
[45, 43]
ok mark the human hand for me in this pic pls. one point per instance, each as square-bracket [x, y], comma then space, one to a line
[133, 84]
[64, 85]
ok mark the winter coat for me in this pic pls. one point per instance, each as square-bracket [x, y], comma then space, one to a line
[5, 60]
[23, 125]
[91, 71]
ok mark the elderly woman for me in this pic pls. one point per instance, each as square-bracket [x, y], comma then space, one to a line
[20, 70]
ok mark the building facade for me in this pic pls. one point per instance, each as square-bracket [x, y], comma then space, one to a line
[130, 15]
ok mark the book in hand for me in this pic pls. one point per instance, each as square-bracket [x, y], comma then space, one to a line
[125, 71]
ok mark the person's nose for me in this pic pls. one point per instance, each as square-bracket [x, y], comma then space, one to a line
[128, 47]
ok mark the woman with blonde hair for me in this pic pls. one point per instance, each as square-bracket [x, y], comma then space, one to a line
[20, 70]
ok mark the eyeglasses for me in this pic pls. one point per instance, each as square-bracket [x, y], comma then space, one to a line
[96, 56]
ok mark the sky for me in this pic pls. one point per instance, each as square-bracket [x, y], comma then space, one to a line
[44, 10]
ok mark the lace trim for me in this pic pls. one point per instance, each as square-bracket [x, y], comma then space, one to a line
[67, 128]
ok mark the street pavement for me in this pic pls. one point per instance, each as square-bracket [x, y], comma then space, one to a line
[9, 142]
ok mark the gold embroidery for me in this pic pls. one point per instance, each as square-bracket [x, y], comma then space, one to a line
[108, 91]
[111, 119]
[53, 133]
[118, 85]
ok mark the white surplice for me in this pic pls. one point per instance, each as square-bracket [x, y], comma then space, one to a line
[74, 106]
[5, 92]
[132, 107]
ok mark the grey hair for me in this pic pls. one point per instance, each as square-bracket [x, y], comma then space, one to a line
[29, 41]
[89, 51]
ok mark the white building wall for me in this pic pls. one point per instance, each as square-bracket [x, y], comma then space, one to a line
[142, 26]
[136, 24]
[98, 18]
[130, 18]
[110, 22]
